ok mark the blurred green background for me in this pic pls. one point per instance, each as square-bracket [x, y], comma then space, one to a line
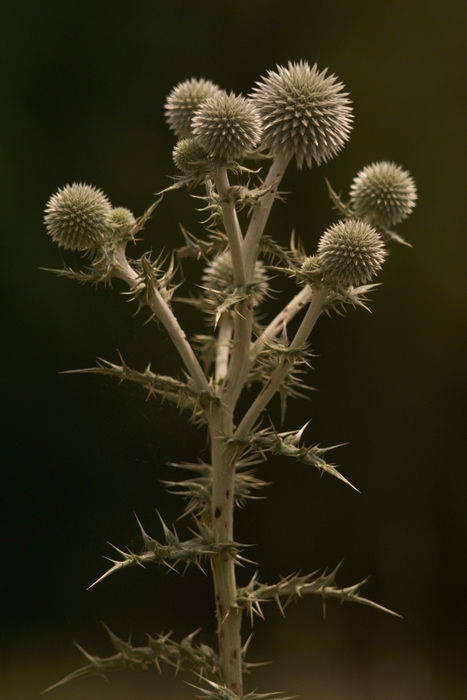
[82, 91]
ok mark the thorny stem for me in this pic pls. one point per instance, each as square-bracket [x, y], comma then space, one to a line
[261, 212]
[274, 382]
[282, 319]
[165, 315]
[223, 459]
[231, 225]
[243, 321]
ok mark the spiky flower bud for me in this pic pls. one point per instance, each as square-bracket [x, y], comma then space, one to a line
[383, 193]
[189, 156]
[350, 252]
[218, 278]
[183, 102]
[311, 270]
[121, 223]
[304, 113]
[77, 217]
[227, 126]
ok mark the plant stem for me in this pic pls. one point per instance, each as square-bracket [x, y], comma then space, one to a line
[282, 319]
[261, 212]
[273, 384]
[231, 225]
[229, 617]
[224, 340]
[165, 315]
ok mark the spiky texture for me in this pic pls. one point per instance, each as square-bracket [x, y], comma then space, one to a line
[189, 156]
[350, 253]
[304, 112]
[227, 126]
[383, 193]
[122, 222]
[77, 217]
[183, 102]
[218, 278]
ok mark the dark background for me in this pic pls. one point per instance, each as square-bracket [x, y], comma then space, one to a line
[82, 92]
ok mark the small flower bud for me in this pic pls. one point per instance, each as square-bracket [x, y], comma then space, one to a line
[350, 252]
[77, 217]
[183, 102]
[383, 194]
[227, 126]
[311, 270]
[189, 156]
[304, 113]
[121, 223]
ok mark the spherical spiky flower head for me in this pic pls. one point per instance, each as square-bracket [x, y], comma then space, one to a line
[121, 223]
[227, 126]
[218, 278]
[189, 156]
[383, 193]
[77, 217]
[305, 113]
[183, 102]
[350, 252]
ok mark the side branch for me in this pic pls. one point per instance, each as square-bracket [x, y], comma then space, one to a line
[165, 315]
[272, 386]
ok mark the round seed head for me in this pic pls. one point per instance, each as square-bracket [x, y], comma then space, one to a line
[183, 102]
[218, 278]
[189, 156]
[227, 126]
[350, 252]
[77, 217]
[383, 193]
[305, 113]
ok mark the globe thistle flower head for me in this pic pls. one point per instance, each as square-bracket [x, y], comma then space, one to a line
[218, 278]
[227, 126]
[305, 113]
[189, 156]
[77, 217]
[350, 252]
[183, 102]
[383, 193]
[121, 223]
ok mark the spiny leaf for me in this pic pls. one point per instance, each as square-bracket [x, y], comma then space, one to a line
[294, 586]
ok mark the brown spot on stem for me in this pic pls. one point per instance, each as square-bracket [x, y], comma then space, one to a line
[227, 493]
[217, 512]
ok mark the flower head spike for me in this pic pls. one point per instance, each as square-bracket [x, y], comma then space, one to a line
[304, 112]
[183, 102]
[227, 126]
[383, 193]
[350, 252]
[77, 217]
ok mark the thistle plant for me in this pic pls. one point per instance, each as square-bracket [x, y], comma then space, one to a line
[248, 354]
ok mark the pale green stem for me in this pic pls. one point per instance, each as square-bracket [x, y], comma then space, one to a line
[239, 366]
[231, 225]
[261, 212]
[282, 319]
[273, 384]
[224, 340]
[229, 617]
[165, 315]
[239, 363]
